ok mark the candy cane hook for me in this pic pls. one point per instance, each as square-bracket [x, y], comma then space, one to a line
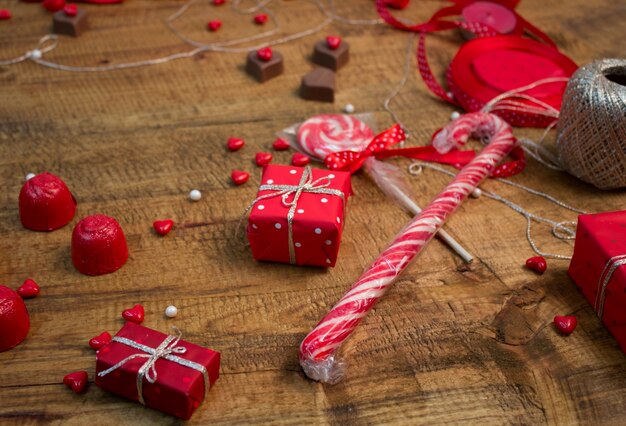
[319, 347]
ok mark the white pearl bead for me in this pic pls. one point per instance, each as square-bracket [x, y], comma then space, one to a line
[450, 95]
[454, 115]
[348, 109]
[195, 195]
[30, 176]
[35, 54]
[171, 311]
[476, 193]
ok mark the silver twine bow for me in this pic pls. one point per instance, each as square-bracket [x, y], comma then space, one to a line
[152, 355]
[307, 184]
[611, 265]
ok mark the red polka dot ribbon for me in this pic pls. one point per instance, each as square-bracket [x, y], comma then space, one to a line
[351, 161]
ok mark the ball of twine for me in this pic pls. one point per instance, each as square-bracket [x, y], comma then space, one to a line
[591, 131]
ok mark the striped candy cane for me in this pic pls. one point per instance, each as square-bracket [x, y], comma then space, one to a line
[317, 350]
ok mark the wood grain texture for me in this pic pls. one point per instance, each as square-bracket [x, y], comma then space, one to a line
[448, 343]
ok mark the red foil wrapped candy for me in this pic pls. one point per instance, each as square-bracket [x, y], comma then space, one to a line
[98, 245]
[46, 203]
[14, 320]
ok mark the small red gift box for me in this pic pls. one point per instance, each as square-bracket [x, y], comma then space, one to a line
[598, 268]
[159, 370]
[298, 215]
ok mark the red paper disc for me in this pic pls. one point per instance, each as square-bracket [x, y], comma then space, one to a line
[487, 67]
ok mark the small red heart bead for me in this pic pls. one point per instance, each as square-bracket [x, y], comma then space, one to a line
[29, 289]
[300, 159]
[333, 42]
[235, 144]
[537, 263]
[263, 158]
[566, 324]
[219, 2]
[135, 314]
[76, 381]
[53, 5]
[163, 227]
[70, 10]
[214, 25]
[5, 14]
[264, 54]
[280, 145]
[239, 177]
[260, 19]
[100, 341]
[397, 4]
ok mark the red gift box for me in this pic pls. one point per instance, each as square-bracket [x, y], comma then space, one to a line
[156, 369]
[598, 268]
[298, 215]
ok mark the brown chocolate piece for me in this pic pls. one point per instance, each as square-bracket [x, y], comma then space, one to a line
[264, 70]
[318, 85]
[70, 25]
[331, 58]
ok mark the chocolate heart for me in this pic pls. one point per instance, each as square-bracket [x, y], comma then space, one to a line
[263, 158]
[260, 19]
[76, 381]
[566, 323]
[163, 227]
[235, 144]
[70, 10]
[29, 289]
[99, 341]
[214, 25]
[333, 42]
[537, 263]
[318, 85]
[280, 145]
[264, 54]
[239, 177]
[135, 314]
[300, 160]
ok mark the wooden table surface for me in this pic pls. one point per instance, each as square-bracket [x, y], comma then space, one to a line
[448, 343]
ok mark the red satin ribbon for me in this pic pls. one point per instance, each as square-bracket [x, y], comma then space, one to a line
[351, 161]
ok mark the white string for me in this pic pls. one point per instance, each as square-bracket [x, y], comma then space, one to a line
[49, 42]
[561, 230]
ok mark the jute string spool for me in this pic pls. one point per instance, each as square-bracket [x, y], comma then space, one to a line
[591, 131]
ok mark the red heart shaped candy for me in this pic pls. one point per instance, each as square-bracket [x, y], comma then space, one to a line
[135, 314]
[239, 177]
[333, 42]
[77, 381]
[53, 5]
[537, 263]
[264, 54]
[280, 145]
[235, 144]
[29, 289]
[70, 10]
[260, 19]
[218, 2]
[566, 323]
[100, 341]
[5, 14]
[214, 25]
[163, 227]
[263, 158]
[300, 159]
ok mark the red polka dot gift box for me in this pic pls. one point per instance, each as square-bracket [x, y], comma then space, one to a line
[298, 215]
[158, 370]
[598, 268]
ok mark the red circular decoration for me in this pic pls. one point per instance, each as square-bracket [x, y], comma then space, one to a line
[46, 203]
[98, 245]
[498, 17]
[14, 319]
[487, 67]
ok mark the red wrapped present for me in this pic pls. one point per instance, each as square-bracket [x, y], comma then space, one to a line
[598, 268]
[161, 371]
[298, 215]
